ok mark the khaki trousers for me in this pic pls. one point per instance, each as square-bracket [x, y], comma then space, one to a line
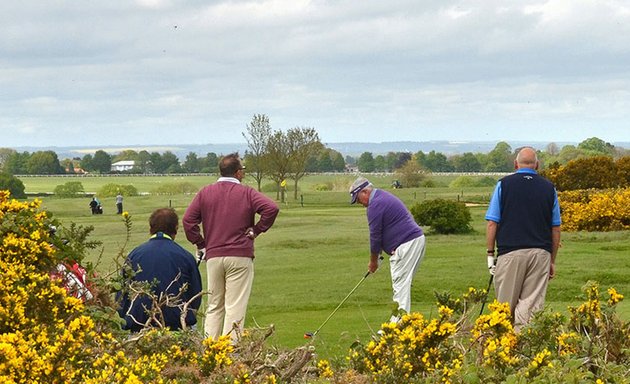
[230, 281]
[404, 263]
[521, 280]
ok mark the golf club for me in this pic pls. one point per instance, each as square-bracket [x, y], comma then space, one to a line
[483, 303]
[309, 335]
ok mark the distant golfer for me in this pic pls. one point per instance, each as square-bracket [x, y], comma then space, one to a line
[393, 231]
[227, 211]
[119, 203]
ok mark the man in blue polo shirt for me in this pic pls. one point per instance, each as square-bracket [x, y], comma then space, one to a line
[393, 231]
[168, 270]
[523, 220]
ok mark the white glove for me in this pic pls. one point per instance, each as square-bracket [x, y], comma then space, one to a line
[250, 233]
[491, 264]
[201, 254]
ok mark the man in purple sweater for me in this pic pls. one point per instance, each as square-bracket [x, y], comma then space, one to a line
[226, 210]
[393, 231]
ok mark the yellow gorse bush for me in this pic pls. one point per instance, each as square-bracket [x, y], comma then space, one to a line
[414, 346]
[595, 210]
[46, 335]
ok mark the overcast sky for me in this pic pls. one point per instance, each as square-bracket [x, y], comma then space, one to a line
[161, 72]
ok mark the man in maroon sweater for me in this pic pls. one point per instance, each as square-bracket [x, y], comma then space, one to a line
[226, 210]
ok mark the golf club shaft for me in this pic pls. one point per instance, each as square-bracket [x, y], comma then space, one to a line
[483, 303]
[342, 301]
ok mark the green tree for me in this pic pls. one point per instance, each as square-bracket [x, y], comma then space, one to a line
[257, 135]
[380, 163]
[44, 163]
[437, 162]
[5, 155]
[143, 162]
[304, 143]
[338, 163]
[102, 162]
[410, 174]
[170, 163]
[155, 163]
[595, 146]
[279, 160]
[467, 162]
[16, 163]
[126, 154]
[365, 163]
[13, 185]
[568, 153]
[87, 162]
[500, 159]
[210, 163]
[191, 164]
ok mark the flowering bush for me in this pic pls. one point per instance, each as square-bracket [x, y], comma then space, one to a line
[49, 336]
[593, 345]
[595, 210]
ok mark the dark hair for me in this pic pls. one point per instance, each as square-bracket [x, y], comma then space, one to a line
[230, 164]
[164, 220]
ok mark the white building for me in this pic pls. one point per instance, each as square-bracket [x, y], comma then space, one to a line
[123, 165]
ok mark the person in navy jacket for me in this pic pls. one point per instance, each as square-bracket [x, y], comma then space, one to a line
[523, 222]
[169, 270]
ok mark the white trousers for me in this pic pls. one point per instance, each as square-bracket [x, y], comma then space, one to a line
[404, 263]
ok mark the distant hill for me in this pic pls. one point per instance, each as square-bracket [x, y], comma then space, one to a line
[346, 149]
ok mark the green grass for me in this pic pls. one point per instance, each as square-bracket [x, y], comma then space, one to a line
[316, 253]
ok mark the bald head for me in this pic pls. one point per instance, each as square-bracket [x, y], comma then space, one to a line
[526, 158]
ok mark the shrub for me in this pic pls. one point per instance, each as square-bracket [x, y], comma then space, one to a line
[598, 172]
[111, 190]
[324, 187]
[593, 210]
[12, 184]
[70, 189]
[468, 181]
[175, 188]
[443, 216]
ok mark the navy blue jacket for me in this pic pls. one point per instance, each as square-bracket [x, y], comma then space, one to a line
[160, 260]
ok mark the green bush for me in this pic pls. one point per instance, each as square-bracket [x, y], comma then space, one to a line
[463, 181]
[598, 172]
[70, 189]
[175, 188]
[429, 184]
[13, 185]
[443, 216]
[111, 190]
[273, 187]
[468, 181]
[324, 187]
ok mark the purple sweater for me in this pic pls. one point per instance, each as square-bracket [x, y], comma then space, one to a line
[391, 223]
[226, 210]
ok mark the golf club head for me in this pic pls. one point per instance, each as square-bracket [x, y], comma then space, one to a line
[308, 335]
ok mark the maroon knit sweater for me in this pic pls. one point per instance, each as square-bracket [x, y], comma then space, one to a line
[226, 210]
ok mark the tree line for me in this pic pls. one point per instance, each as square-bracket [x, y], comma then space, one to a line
[292, 154]
[499, 159]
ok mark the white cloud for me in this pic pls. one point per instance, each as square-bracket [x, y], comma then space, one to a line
[172, 69]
